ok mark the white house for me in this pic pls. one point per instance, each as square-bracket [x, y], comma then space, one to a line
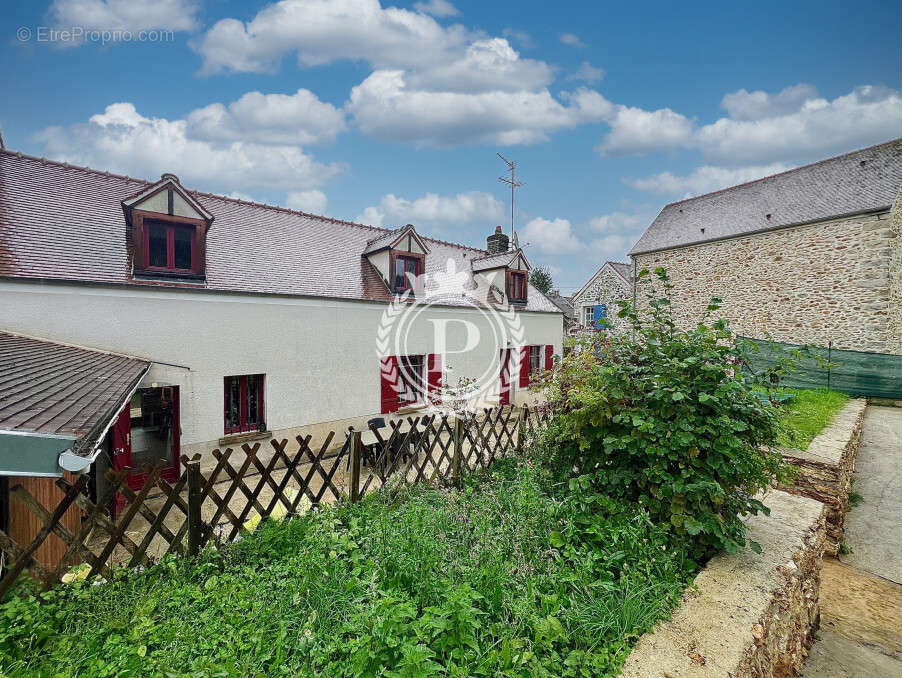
[257, 321]
[597, 299]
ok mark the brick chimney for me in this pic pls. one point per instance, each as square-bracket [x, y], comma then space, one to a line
[498, 242]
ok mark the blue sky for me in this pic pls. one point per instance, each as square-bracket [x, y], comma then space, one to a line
[391, 114]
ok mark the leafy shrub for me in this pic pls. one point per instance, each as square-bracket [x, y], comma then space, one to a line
[664, 418]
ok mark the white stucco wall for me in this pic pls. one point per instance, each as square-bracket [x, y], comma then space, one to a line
[319, 356]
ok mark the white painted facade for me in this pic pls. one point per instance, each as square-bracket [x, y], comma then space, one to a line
[319, 355]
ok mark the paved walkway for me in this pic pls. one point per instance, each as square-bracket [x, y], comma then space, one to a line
[873, 530]
[861, 597]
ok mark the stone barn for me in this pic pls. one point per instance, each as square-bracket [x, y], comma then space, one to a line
[598, 298]
[811, 255]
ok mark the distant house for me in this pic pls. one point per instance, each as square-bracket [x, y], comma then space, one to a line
[565, 304]
[809, 255]
[596, 303]
[252, 321]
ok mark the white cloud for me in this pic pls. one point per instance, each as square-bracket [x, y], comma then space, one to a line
[587, 73]
[384, 107]
[323, 31]
[617, 222]
[313, 201]
[550, 236]
[819, 128]
[636, 131]
[125, 15]
[572, 40]
[486, 65]
[299, 118]
[122, 140]
[745, 105]
[613, 247]
[439, 8]
[464, 208]
[792, 126]
[703, 179]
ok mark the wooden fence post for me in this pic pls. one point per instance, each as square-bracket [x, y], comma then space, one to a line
[521, 428]
[457, 459]
[356, 449]
[195, 522]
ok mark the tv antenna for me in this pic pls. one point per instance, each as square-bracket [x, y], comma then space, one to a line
[514, 184]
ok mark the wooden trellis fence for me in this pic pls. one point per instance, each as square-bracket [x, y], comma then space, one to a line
[254, 482]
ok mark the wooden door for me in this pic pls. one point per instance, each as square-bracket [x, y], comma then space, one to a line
[146, 432]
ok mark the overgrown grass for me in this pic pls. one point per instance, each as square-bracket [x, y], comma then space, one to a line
[806, 414]
[512, 576]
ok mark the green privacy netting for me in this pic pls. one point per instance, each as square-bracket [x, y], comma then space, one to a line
[853, 372]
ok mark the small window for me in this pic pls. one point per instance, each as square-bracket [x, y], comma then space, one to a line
[516, 290]
[411, 385]
[170, 247]
[244, 404]
[405, 269]
[535, 359]
[588, 315]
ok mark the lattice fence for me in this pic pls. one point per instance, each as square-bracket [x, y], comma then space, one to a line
[253, 482]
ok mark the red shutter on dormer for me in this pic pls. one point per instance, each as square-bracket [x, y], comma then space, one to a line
[524, 366]
[388, 376]
[434, 377]
[549, 357]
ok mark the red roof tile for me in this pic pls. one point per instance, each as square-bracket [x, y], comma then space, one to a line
[64, 222]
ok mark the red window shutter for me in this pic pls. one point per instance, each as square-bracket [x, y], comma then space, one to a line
[524, 366]
[434, 367]
[549, 357]
[388, 373]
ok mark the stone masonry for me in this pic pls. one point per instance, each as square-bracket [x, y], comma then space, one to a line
[607, 287]
[748, 615]
[838, 280]
[825, 469]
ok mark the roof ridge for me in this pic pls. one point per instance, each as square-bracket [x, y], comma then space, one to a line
[206, 194]
[788, 171]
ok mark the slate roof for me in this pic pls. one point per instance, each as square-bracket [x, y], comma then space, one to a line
[48, 387]
[863, 181]
[63, 222]
[563, 303]
[494, 260]
[625, 271]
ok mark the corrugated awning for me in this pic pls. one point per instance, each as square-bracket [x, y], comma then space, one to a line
[56, 397]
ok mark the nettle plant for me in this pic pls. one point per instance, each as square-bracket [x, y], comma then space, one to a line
[666, 417]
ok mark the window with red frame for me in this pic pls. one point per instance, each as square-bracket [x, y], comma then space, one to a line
[244, 404]
[516, 289]
[170, 247]
[403, 266]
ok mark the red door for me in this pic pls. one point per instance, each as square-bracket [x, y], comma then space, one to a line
[146, 432]
[505, 391]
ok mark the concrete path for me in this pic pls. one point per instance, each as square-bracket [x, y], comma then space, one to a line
[861, 597]
[873, 530]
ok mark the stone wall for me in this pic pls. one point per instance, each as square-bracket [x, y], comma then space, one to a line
[829, 281]
[748, 615]
[895, 318]
[826, 467]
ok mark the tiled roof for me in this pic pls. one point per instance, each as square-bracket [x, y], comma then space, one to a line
[862, 181]
[63, 222]
[47, 387]
[494, 260]
[625, 270]
[563, 303]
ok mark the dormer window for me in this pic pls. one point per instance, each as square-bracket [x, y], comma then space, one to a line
[170, 247]
[168, 232]
[407, 267]
[400, 258]
[516, 287]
